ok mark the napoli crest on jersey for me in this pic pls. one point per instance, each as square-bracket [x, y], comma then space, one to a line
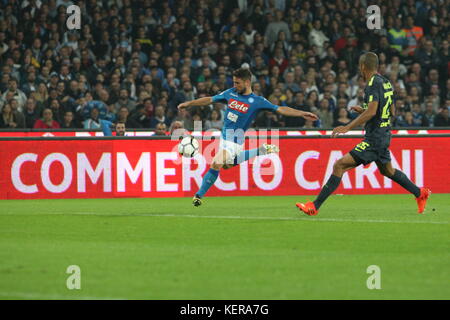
[238, 106]
[251, 100]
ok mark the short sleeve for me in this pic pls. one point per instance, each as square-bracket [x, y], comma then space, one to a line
[221, 97]
[374, 91]
[267, 105]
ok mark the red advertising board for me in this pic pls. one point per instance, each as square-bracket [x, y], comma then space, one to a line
[100, 168]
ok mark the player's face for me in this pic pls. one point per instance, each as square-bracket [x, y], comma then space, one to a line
[120, 129]
[240, 85]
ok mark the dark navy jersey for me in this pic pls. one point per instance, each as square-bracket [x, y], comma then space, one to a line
[240, 112]
[379, 89]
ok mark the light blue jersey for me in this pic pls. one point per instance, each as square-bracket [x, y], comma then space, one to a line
[106, 128]
[240, 112]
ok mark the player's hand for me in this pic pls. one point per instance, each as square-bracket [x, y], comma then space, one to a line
[310, 116]
[183, 105]
[357, 109]
[339, 130]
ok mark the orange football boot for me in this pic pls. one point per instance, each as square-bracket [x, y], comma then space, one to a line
[422, 199]
[308, 208]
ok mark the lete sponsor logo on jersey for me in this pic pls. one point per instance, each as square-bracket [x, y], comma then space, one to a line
[238, 106]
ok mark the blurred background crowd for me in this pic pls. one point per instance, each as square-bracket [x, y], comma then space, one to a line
[135, 61]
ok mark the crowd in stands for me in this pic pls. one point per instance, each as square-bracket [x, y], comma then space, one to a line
[135, 61]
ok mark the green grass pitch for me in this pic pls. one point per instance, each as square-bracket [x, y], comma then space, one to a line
[229, 248]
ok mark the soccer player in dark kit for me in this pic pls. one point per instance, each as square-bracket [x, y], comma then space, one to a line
[375, 112]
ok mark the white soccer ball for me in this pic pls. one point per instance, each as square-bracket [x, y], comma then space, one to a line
[188, 147]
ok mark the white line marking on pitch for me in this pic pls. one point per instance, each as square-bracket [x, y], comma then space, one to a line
[43, 296]
[287, 218]
[242, 217]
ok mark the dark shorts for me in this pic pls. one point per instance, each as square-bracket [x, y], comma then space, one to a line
[364, 153]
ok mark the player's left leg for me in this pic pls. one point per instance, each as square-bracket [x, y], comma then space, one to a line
[210, 177]
[344, 164]
[398, 176]
[249, 154]
[224, 156]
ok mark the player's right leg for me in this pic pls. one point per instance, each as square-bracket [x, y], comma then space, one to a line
[249, 154]
[344, 164]
[421, 194]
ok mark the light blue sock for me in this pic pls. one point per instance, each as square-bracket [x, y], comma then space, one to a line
[246, 155]
[208, 180]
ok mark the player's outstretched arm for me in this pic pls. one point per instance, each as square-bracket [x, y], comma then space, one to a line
[291, 112]
[362, 118]
[196, 103]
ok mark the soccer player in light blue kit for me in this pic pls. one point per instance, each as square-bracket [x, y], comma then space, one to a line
[242, 107]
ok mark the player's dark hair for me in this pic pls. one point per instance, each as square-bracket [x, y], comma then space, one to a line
[369, 60]
[120, 122]
[242, 73]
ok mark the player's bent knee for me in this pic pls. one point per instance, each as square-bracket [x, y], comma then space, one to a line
[338, 166]
[217, 166]
[387, 172]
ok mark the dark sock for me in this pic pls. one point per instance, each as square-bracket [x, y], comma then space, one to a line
[403, 180]
[331, 185]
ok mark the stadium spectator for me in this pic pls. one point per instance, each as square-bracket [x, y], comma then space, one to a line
[124, 101]
[397, 37]
[290, 83]
[128, 51]
[14, 92]
[407, 120]
[41, 95]
[429, 115]
[161, 129]
[413, 34]
[214, 122]
[10, 119]
[317, 38]
[123, 116]
[324, 113]
[442, 119]
[347, 38]
[342, 118]
[426, 55]
[31, 112]
[418, 118]
[274, 27]
[176, 128]
[68, 121]
[93, 122]
[308, 124]
[20, 118]
[159, 117]
[47, 121]
[299, 104]
[58, 111]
